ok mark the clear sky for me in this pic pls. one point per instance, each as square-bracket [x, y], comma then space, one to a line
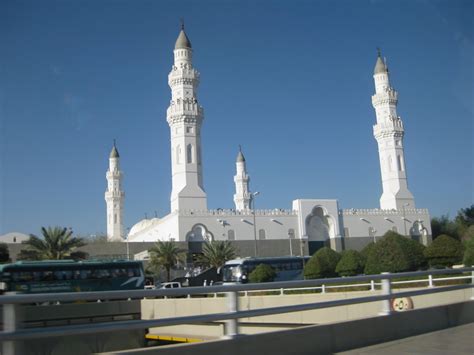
[291, 81]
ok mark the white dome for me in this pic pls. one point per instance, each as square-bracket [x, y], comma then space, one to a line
[143, 224]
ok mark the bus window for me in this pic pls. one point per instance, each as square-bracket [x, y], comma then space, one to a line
[47, 276]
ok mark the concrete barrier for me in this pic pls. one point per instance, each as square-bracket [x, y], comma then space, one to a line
[329, 338]
[177, 307]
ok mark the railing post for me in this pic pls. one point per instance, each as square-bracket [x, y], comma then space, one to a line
[323, 288]
[386, 290]
[430, 280]
[472, 286]
[10, 321]
[232, 326]
[372, 285]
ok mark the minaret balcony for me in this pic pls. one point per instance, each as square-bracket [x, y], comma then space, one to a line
[389, 129]
[114, 174]
[111, 195]
[388, 97]
[178, 75]
[184, 107]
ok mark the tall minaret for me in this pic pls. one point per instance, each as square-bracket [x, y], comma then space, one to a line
[114, 197]
[389, 135]
[184, 116]
[241, 179]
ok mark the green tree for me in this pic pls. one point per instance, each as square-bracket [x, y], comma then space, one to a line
[352, 263]
[468, 259]
[464, 222]
[443, 225]
[165, 255]
[216, 253]
[394, 253]
[4, 253]
[262, 273]
[55, 244]
[445, 251]
[322, 264]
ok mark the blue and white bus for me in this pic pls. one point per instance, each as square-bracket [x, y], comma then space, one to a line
[287, 268]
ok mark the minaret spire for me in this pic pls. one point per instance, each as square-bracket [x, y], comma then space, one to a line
[389, 133]
[241, 179]
[114, 197]
[185, 116]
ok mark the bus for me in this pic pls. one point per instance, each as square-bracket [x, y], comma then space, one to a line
[71, 276]
[287, 268]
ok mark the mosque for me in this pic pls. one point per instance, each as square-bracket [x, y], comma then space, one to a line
[307, 226]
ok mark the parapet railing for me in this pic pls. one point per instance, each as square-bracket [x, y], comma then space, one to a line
[10, 302]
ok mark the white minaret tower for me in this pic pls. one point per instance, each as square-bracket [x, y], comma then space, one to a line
[241, 179]
[389, 135]
[184, 117]
[114, 197]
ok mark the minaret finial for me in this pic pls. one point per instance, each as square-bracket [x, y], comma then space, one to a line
[114, 142]
[182, 23]
[240, 148]
[378, 52]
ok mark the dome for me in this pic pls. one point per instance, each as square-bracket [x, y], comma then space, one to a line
[380, 66]
[114, 153]
[240, 157]
[182, 41]
[143, 224]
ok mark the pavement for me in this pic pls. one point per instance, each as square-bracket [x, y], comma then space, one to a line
[455, 340]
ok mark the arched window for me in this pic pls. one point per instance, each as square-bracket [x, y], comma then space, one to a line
[261, 234]
[231, 234]
[189, 153]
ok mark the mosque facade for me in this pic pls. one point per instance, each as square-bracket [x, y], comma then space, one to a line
[308, 225]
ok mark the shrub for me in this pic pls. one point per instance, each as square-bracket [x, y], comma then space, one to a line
[468, 259]
[394, 253]
[322, 264]
[262, 273]
[444, 252]
[352, 263]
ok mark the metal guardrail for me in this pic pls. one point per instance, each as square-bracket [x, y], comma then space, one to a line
[11, 301]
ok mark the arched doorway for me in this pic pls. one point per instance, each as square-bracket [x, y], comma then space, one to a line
[197, 236]
[319, 229]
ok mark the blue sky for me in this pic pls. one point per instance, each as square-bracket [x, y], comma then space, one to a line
[290, 81]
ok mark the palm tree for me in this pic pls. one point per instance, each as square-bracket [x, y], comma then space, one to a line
[56, 243]
[165, 255]
[217, 252]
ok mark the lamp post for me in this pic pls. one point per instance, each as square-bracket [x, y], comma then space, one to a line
[252, 200]
[291, 246]
[404, 219]
[127, 231]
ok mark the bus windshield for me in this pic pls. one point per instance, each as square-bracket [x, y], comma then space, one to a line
[232, 273]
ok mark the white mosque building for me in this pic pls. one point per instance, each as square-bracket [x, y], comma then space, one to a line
[308, 225]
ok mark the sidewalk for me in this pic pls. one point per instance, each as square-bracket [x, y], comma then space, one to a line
[456, 340]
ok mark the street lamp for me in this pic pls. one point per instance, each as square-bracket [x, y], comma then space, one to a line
[128, 248]
[291, 247]
[404, 219]
[252, 202]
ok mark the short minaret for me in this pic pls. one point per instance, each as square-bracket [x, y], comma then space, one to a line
[241, 179]
[114, 197]
[185, 117]
[389, 134]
